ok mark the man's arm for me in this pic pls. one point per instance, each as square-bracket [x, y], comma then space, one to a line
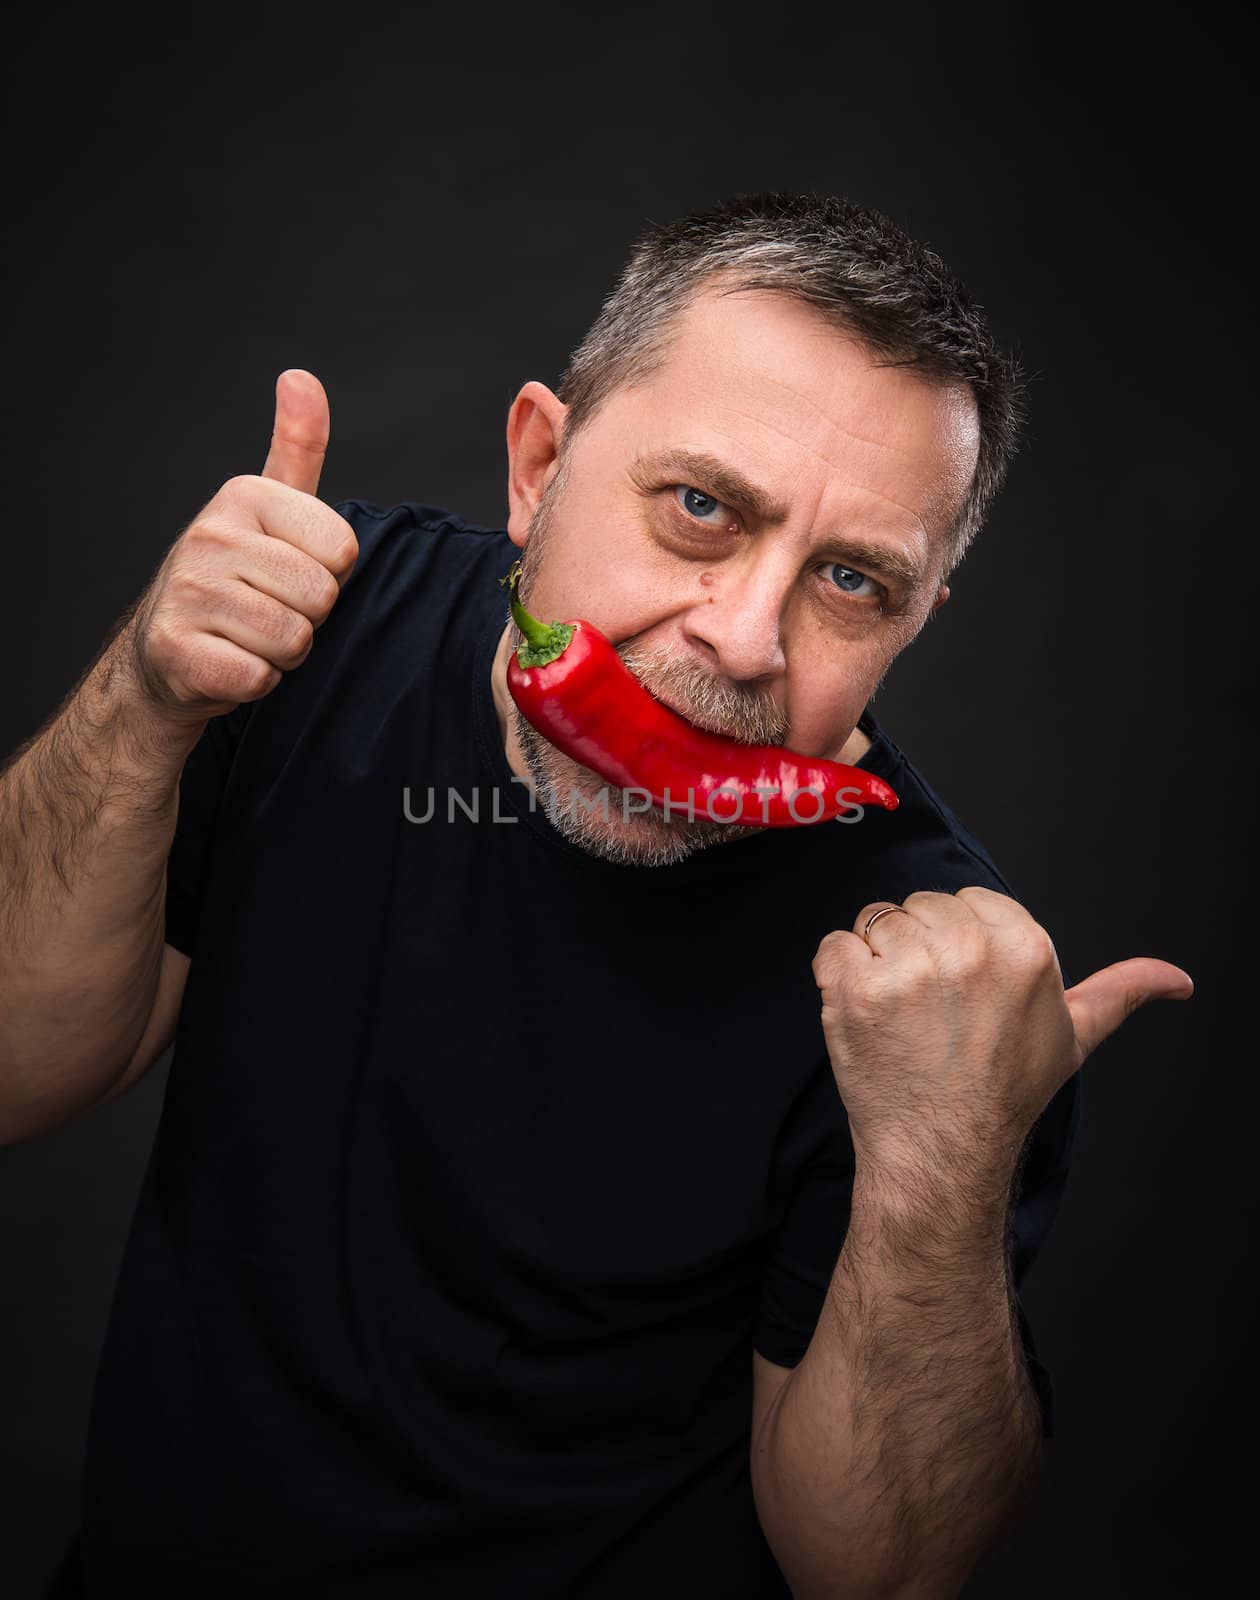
[909, 1436]
[87, 814]
[88, 807]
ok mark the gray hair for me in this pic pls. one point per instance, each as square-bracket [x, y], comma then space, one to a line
[855, 264]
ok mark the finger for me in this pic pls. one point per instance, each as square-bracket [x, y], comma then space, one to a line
[900, 924]
[299, 438]
[836, 953]
[1002, 912]
[304, 522]
[288, 574]
[220, 670]
[991, 906]
[1101, 1002]
[260, 625]
[937, 910]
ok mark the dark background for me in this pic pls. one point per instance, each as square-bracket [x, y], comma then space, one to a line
[427, 215]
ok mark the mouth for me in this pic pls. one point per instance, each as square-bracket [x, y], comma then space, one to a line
[691, 719]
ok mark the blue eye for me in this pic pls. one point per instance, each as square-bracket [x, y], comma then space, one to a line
[703, 511]
[849, 579]
[700, 509]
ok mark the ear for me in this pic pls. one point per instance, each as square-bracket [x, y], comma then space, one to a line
[942, 595]
[535, 426]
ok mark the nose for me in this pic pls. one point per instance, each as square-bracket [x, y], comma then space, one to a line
[736, 624]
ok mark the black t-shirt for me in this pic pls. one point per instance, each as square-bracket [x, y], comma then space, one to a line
[484, 1164]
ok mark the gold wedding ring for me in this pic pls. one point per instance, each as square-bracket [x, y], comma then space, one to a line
[876, 915]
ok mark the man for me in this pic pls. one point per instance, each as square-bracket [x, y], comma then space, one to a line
[512, 1229]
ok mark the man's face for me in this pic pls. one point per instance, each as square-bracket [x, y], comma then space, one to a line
[771, 623]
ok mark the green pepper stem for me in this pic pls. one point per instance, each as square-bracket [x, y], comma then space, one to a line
[544, 641]
[538, 633]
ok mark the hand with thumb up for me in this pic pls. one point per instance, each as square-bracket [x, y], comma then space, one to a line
[236, 601]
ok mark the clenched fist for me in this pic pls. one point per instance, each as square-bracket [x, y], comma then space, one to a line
[949, 1029]
[236, 602]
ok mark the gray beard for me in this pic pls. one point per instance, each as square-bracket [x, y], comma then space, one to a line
[642, 838]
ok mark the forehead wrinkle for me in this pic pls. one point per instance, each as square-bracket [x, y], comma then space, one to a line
[865, 489]
[833, 427]
[821, 410]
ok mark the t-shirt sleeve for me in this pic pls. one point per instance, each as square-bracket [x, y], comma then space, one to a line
[804, 1251]
[209, 767]
[201, 787]
[1042, 1181]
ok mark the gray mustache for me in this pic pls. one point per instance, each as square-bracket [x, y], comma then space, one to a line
[749, 716]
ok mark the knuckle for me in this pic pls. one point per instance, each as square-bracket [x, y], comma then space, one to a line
[824, 962]
[236, 678]
[174, 689]
[286, 630]
[301, 636]
[1043, 953]
[201, 675]
[980, 891]
[966, 954]
[345, 553]
[209, 535]
[207, 671]
[197, 588]
[326, 592]
[1031, 949]
[253, 606]
[259, 680]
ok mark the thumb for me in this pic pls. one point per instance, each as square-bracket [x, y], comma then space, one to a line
[300, 436]
[1101, 1002]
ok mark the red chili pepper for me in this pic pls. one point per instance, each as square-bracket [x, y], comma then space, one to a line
[572, 686]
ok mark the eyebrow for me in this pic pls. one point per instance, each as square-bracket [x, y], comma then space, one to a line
[728, 484]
